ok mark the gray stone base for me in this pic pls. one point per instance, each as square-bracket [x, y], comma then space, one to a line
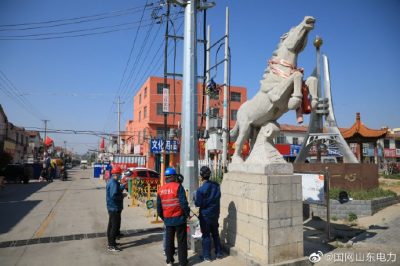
[261, 217]
[263, 169]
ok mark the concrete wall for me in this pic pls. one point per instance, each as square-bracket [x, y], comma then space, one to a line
[261, 217]
[361, 208]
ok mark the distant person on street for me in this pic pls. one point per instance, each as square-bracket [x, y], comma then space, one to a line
[208, 199]
[114, 197]
[173, 209]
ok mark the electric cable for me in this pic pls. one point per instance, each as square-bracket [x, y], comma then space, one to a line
[76, 18]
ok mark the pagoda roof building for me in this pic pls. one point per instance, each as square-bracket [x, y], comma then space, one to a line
[358, 132]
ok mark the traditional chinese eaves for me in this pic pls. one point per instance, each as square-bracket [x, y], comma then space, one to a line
[359, 131]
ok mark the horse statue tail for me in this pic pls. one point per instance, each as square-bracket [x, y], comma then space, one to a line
[234, 131]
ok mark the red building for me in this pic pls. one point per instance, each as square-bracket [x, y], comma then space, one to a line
[148, 116]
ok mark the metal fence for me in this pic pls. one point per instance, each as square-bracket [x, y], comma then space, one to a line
[215, 167]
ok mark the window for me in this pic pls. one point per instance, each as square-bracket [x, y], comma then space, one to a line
[16, 138]
[386, 143]
[160, 132]
[145, 112]
[139, 140]
[160, 87]
[214, 112]
[153, 174]
[281, 139]
[140, 98]
[140, 115]
[295, 141]
[144, 134]
[145, 92]
[397, 144]
[236, 97]
[234, 115]
[160, 109]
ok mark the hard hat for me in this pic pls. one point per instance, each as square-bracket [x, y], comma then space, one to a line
[170, 171]
[205, 172]
[116, 170]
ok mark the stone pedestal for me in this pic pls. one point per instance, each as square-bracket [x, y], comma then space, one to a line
[261, 214]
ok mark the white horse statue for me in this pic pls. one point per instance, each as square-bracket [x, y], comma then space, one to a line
[280, 90]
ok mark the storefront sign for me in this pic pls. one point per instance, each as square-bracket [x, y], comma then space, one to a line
[157, 145]
[390, 153]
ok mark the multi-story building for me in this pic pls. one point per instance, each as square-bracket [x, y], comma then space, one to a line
[35, 145]
[148, 116]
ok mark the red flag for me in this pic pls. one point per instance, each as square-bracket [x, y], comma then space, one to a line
[102, 144]
[48, 141]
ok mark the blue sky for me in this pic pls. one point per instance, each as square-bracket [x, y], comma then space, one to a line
[73, 82]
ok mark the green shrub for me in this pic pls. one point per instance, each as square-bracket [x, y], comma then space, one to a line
[352, 216]
[394, 176]
[362, 194]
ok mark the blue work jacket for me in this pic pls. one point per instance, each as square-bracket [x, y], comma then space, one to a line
[208, 199]
[114, 196]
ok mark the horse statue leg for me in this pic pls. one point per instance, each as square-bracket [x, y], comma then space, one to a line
[312, 83]
[244, 131]
[296, 97]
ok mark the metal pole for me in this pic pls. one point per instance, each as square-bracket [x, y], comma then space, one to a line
[189, 141]
[119, 126]
[317, 44]
[207, 96]
[45, 133]
[328, 208]
[225, 124]
[165, 108]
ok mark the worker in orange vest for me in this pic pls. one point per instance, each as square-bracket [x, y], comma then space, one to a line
[173, 209]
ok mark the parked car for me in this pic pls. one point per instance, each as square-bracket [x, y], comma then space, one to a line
[15, 173]
[148, 176]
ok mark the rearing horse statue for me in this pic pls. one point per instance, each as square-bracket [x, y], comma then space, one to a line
[280, 91]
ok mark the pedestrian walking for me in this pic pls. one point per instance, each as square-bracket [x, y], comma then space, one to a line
[173, 209]
[208, 200]
[114, 197]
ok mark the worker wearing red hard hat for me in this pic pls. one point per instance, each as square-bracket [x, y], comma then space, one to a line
[114, 197]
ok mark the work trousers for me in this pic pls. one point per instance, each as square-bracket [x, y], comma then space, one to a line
[114, 220]
[210, 228]
[181, 235]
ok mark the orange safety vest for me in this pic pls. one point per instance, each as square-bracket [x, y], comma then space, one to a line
[169, 200]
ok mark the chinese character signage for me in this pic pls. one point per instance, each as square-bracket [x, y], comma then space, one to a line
[165, 100]
[157, 145]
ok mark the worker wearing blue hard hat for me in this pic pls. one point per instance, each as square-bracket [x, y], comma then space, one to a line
[173, 209]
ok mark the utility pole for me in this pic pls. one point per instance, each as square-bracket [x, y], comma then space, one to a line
[208, 77]
[225, 122]
[45, 133]
[119, 124]
[65, 147]
[165, 97]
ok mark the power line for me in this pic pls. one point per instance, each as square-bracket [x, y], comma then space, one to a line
[106, 15]
[69, 36]
[11, 90]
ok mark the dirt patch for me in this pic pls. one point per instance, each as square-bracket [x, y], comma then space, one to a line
[391, 184]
